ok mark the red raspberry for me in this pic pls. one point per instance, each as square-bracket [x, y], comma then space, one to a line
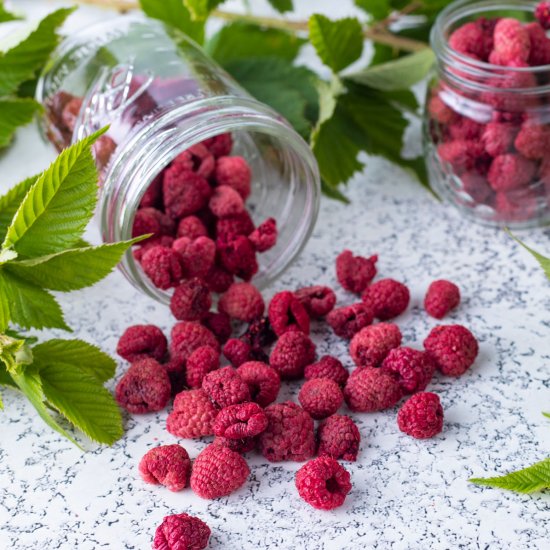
[219, 324]
[142, 341]
[163, 241]
[323, 483]
[187, 336]
[355, 273]
[237, 351]
[452, 347]
[465, 129]
[440, 111]
[370, 345]
[286, 313]
[388, 298]
[292, 352]
[339, 438]
[219, 145]
[235, 172]
[533, 141]
[184, 192]
[540, 45]
[511, 41]
[175, 368]
[202, 361]
[238, 256]
[265, 235]
[181, 532]
[469, 39]
[289, 434]
[320, 397]
[327, 367]
[421, 416]
[145, 387]
[240, 421]
[477, 187]
[162, 266]
[462, 155]
[151, 220]
[442, 297]
[218, 279]
[233, 226]
[243, 302]
[259, 333]
[225, 387]
[263, 382]
[349, 320]
[197, 257]
[167, 465]
[153, 194]
[498, 137]
[191, 300]
[204, 162]
[225, 201]
[192, 228]
[193, 415]
[542, 13]
[511, 171]
[218, 471]
[370, 389]
[317, 300]
[412, 368]
[516, 205]
[240, 446]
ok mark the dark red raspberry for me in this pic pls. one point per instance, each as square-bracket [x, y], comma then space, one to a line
[388, 298]
[219, 145]
[292, 352]
[286, 313]
[259, 334]
[181, 532]
[355, 273]
[347, 321]
[540, 45]
[323, 483]
[442, 297]
[421, 416]
[542, 13]
[370, 345]
[197, 257]
[498, 137]
[264, 236]
[142, 341]
[187, 336]
[145, 387]
[452, 347]
[263, 382]
[240, 421]
[218, 471]
[242, 301]
[413, 369]
[510, 172]
[465, 128]
[191, 300]
[70, 113]
[327, 367]
[339, 438]
[237, 351]
[219, 279]
[289, 434]
[103, 150]
[167, 465]
[370, 389]
[192, 416]
[225, 387]
[184, 192]
[204, 162]
[235, 172]
[219, 324]
[192, 228]
[202, 361]
[320, 397]
[233, 226]
[141, 249]
[317, 300]
[238, 445]
[151, 220]
[225, 201]
[175, 368]
[162, 266]
[238, 256]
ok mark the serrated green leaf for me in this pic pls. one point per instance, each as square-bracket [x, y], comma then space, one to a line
[529, 480]
[546, 414]
[338, 43]
[282, 5]
[333, 192]
[4, 305]
[5, 377]
[542, 260]
[10, 202]
[29, 340]
[5, 15]
[200, 9]
[13, 114]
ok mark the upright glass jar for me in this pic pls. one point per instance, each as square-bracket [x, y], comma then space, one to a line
[161, 95]
[487, 125]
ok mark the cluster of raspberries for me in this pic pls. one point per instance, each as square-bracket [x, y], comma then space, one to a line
[501, 158]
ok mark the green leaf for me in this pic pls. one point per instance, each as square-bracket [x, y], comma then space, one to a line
[5, 315]
[546, 414]
[333, 192]
[200, 9]
[378, 9]
[529, 480]
[543, 261]
[21, 62]
[5, 15]
[30, 340]
[5, 377]
[9, 203]
[282, 5]
[15, 113]
[338, 43]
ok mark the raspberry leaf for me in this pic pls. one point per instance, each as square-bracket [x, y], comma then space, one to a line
[9, 203]
[547, 415]
[282, 5]
[200, 9]
[15, 113]
[5, 15]
[377, 9]
[543, 261]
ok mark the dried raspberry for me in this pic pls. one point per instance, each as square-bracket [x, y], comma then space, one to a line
[542, 13]
[70, 113]
[240, 421]
[292, 352]
[289, 434]
[142, 341]
[218, 471]
[145, 387]
[355, 273]
[162, 266]
[452, 347]
[471, 40]
[237, 351]
[339, 438]
[191, 300]
[164, 241]
[442, 296]
[219, 324]
[317, 300]
[219, 145]
[235, 172]
[187, 336]
[184, 192]
[204, 162]
[218, 279]
[421, 416]
[243, 302]
[153, 194]
[511, 41]
[225, 387]
[498, 137]
[259, 334]
[370, 389]
[533, 141]
[264, 236]
[167, 465]
[440, 111]
[263, 382]
[519, 205]
[233, 226]
[323, 483]
[370, 345]
[238, 445]
[202, 361]
[320, 397]
[387, 297]
[197, 257]
[412, 368]
[103, 150]
[181, 532]
[175, 368]
[286, 313]
[349, 320]
[327, 367]
[225, 201]
[462, 155]
[238, 256]
[511, 171]
[192, 228]
[465, 129]
[477, 187]
[192, 416]
[540, 45]
[151, 220]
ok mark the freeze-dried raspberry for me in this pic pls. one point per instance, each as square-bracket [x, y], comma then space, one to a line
[355, 273]
[218, 471]
[533, 141]
[412, 368]
[192, 228]
[238, 445]
[151, 220]
[184, 161]
[237, 351]
[225, 201]
[202, 361]
[452, 347]
[370, 345]
[238, 256]
[473, 40]
[542, 13]
[292, 352]
[219, 324]
[263, 382]
[140, 341]
[225, 387]
[259, 334]
[317, 300]
[242, 301]
[518, 205]
[167, 465]
[320, 397]
[440, 111]
[219, 145]
[191, 300]
[184, 192]
[192, 416]
[323, 483]
[347, 321]
[197, 257]
[507, 98]
[421, 416]
[204, 162]
[264, 236]
[327, 367]
[511, 171]
[145, 387]
[442, 296]
[187, 336]
[477, 187]
[388, 298]
[286, 313]
[70, 113]
[511, 41]
[181, 532]
[153, 194]
[339, 438]
[103, 150]
[235, 172]
[218, 279]
[498, 137]
[289, 434]
[164, 241]
[233, 226]
[540, 45]
[462, 155]
[162, 266]
[370, 389]
[465, 129]
[240, 421]
[175, 368]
